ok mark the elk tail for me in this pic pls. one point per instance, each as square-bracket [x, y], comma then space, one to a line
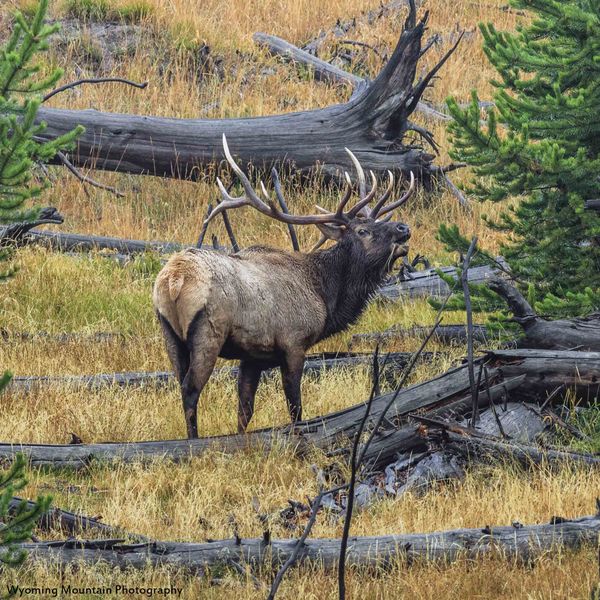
[175, 285]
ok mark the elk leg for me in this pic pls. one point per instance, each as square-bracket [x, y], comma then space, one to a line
[291, 376]
[204, 345]
[179, 355]
[248, 379]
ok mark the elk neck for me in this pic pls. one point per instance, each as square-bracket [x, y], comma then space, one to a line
[345, 280]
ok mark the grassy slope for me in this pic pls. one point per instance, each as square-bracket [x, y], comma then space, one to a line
[196, 500]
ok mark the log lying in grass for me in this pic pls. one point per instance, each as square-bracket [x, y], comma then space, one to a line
[581, 333]
[326, 72]
[523, 542]
[324, 431]
[428, 283]
[57, 518]
[315, 364]
[480, 446]
[547, 370]
[446, 334]
[373, 124]
[542, 371]
[592, 204]
[78, 242]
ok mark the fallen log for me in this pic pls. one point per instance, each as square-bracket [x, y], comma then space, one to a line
[547, 370]
[523, 542]
[373, 124]
[428, 283]
[326, 72]
[581, 333]
[77, 242]
[446, 334]
[592, 204]
[314, 365]
[69, 522]
[323, 431]
[478, 446]
[541, 370]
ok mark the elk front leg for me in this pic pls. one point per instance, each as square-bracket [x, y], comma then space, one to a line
[291, 375]
[248, 379]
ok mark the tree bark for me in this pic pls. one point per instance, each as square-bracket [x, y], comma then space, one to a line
[372, 123]
[517, 541]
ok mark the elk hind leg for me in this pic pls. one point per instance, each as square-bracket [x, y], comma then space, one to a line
[204, 347]
[177, 350]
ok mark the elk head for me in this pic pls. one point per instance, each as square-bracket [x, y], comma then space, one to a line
[383, 240]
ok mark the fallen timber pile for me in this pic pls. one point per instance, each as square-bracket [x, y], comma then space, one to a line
[520, 375]
[315, 364]
[523, 542]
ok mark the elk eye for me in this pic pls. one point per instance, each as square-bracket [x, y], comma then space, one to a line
[363, 232]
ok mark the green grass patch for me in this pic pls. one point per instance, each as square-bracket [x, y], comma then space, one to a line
[105, 10]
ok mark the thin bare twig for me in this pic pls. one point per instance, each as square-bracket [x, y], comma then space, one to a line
[294, 555]
[229, 230]
[285, 209]
[204, 227]
[464, 278]
[363, 45]
[354, 467]
[79, 82]
[85, 179]
[492, 405]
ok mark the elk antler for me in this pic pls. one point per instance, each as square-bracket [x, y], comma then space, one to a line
[339, 218]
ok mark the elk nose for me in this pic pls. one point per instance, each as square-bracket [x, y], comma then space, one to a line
[403, 230]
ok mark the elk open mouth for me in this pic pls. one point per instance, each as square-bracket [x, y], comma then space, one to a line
[400, 250]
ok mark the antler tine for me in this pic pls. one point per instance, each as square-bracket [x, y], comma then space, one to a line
[401, 201]
[362, 183]
[384, 196]
[361, 206]
[227, 202]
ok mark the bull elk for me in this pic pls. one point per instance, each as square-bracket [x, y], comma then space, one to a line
[267, 307]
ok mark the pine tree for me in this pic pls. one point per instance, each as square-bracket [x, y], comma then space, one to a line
[21, 83]
[17, 525]
[540, 148]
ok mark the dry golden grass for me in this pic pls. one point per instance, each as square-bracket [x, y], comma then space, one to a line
[198, 499]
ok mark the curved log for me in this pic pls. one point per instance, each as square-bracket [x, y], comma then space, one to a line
[373, 124]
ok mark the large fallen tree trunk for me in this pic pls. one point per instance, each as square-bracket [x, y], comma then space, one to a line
[373, 124]
[581, 333]
[516, 541]
[538, 373]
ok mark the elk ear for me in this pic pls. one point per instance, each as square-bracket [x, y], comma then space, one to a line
[332, 232]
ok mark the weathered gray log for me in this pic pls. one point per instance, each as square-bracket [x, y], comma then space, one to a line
[581, 333]
[70, 522]
[326, 72]
[406, 440]
[546, 370]
[516, 541]
[77, 242]
[428, 283]
[543, 370]
[447, 334]
[315, 364]
[519, 421]
[373, 124]
[481, 447]
[323, 431]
